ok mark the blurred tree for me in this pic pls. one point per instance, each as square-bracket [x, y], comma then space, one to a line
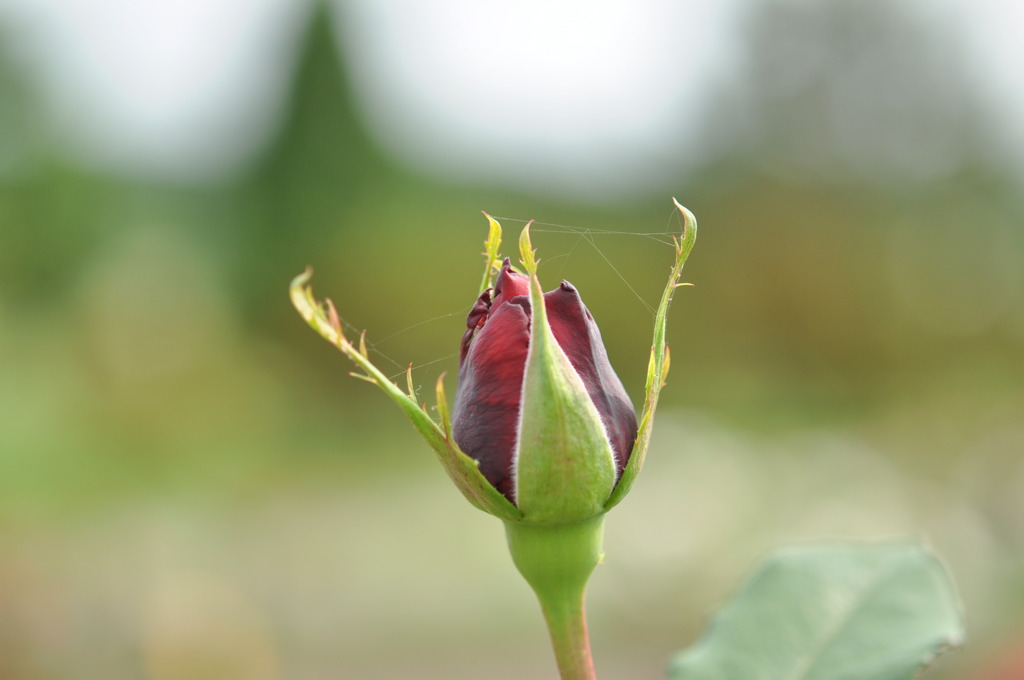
[865, 91]
[48, 207]
[317, 173]
[854, 120]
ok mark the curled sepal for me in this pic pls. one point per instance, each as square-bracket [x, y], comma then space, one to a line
[492, 248]
[462, 469]
[528, 256]
[657, 368]
[442, 409]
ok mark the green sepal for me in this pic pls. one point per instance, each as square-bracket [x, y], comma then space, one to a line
[462, 469]
[492, 256]
[657, 367]
[564, 465]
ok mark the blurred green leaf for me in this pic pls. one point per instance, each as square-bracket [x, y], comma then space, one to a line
[833, 612]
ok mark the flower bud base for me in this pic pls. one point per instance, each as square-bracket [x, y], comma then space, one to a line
[557, 560]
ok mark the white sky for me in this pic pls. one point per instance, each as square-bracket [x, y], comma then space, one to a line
[530, 92]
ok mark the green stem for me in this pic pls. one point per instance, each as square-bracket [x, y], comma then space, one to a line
[567, 624]
[557, 560]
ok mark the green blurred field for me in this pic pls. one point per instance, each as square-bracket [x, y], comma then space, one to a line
[192, 487]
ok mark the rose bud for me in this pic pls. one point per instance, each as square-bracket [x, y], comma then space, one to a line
[543, 432]
[538, 405]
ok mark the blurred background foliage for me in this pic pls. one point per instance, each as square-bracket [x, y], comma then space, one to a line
[192, 487]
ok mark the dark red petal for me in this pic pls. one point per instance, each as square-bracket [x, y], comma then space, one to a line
[510, 285]
[486, 412]
[577, 334]
[474, 321]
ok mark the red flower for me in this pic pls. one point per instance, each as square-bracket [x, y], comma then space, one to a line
[486, 419]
